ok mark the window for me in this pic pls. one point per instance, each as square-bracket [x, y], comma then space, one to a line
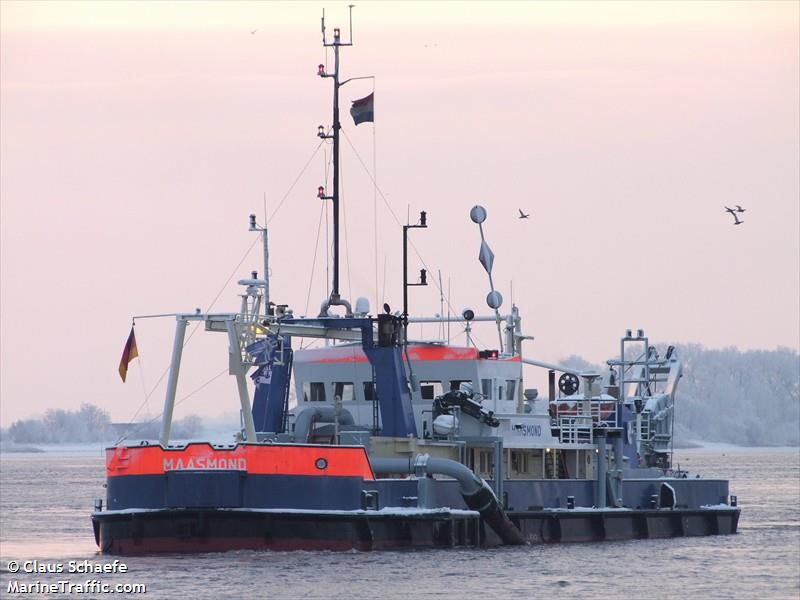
[465, 385]
[343, 389]
[369, 391]
[430, 389]
[485, 462]
[486, 388]
[519, 461]
[313, 391]
[511, 385]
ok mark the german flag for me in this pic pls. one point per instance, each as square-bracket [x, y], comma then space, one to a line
[128, 354]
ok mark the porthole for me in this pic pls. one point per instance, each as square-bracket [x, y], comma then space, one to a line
[321, 464]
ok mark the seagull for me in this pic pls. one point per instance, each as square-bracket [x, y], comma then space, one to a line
[253, 32]
[522, 215]
[740, 209]
[733, 212]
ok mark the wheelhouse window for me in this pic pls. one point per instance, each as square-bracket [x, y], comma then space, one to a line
[460, 384]
[313, 391]
[430, 389]
[486, 388]
[369, 391]
[344, 389]
[511, 386]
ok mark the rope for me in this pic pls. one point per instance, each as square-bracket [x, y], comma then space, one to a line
[294, 183]
[222, 289]
[227, 281]
[327, 239]
[186, 397]
[386, 202]
[313, 262]
[346, 242]
[375, 201]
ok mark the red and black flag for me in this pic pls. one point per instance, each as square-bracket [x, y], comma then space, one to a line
[128, 354]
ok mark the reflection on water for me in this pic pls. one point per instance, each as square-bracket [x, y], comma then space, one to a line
[46, 499]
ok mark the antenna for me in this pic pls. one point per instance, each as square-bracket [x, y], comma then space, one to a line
[350, 7]
[448, 309]
[441, 306]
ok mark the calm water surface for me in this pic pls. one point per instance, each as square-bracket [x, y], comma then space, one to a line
[46, 499]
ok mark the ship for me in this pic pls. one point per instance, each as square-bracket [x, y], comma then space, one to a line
[391, 442]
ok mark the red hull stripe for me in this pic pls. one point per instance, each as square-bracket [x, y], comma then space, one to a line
[354, 354]
[224, 544]
[272, 459]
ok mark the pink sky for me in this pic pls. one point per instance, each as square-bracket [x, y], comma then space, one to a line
[136, 138]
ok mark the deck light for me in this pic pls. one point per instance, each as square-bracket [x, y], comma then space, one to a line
[336, 34]
[252, 222]
[321, 131]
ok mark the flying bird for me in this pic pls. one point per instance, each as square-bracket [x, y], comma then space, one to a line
[522, 215]
[253, 32]
[740, 209]
[733, 212]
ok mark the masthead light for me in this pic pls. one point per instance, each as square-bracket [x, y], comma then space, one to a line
[321, 70]
[320, 192]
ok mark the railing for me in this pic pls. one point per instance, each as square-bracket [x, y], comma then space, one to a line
[575, 430]
[576, 421]
[644, 432]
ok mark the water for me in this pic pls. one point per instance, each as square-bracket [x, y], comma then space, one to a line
[45, 501]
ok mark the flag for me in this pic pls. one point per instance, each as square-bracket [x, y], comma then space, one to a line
[363, 110]
[128, 354]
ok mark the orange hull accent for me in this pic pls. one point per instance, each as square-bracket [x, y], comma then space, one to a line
[353, 354]
[272, 459]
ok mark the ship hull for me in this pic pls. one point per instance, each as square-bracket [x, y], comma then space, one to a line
[215, 530]
[623, 524]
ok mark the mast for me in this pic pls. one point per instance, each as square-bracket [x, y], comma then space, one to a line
[334, 196]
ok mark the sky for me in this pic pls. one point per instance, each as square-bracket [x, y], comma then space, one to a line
[136, 138]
